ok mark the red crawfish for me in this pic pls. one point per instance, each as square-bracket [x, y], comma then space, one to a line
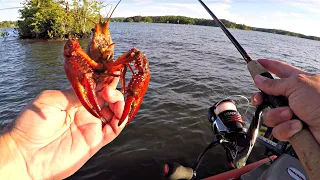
[85, 70]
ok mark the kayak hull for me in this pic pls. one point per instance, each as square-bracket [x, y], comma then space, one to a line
[236, 173]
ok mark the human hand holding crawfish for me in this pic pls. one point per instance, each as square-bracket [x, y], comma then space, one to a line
[55, 135]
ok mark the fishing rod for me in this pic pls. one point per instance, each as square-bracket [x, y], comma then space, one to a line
[304, 144]
[244, 54]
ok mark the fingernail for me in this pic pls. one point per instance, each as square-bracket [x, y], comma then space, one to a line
[296, 126]
[259, 79]
[286, 114]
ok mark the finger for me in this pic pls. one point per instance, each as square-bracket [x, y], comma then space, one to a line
[276, 116]
[111, 82]
[256, 99]
[111, 95]
[115, 109]
[115, 80]
[281, 69]
[107, 113]
[110, 87]
[112, 130]
[118, 109]
[101, 101]
[276, 87]
[114, 83]
[286, 130]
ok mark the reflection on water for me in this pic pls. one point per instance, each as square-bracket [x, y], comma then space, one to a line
[191, 68]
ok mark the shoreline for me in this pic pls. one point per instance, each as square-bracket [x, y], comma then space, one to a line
[248, 28]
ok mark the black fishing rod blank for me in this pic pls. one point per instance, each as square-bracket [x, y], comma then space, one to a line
[244, 54]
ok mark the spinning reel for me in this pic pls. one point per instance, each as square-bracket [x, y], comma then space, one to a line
[230, 132]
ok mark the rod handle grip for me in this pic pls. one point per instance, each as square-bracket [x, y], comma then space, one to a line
[303, 142]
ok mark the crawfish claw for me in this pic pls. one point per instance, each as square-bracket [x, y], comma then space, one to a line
[80, 75]
[138, 85]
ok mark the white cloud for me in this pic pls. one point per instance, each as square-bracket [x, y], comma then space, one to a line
[277, 15]
[309, 6]
[295, 1]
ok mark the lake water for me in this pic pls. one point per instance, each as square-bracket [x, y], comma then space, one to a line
[191, 68]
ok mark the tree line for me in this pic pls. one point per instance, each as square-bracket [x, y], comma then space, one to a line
[8, 24]
[206, 22]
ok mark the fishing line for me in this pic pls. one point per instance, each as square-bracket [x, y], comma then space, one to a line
[241, 96]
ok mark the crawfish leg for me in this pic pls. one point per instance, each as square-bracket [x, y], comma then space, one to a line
[123, 79]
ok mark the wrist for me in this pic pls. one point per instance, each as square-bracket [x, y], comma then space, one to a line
[12, 163]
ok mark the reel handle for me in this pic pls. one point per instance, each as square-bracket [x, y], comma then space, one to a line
[304, 144]
[175, 171]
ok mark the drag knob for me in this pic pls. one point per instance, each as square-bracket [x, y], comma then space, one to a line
[174, 171]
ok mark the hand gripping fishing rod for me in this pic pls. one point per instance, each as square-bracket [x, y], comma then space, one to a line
[304, 144]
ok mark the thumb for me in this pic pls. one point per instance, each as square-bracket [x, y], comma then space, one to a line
[276, 87]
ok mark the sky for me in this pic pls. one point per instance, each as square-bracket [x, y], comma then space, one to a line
[301, 16]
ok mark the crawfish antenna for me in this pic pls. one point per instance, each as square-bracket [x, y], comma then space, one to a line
[106, 11]
[113, 11]
[110, 9]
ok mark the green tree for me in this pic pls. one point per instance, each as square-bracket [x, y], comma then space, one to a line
[147, 19]
[136, 18]
[51, 19]
[42, 19]
[128, 20]
[83, 12]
